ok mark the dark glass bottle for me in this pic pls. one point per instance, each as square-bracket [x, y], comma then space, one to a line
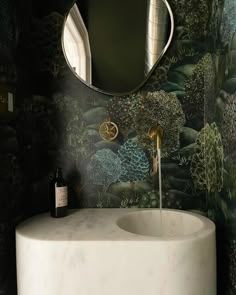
[58, 195]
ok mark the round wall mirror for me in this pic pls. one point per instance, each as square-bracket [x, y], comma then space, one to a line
[113, 46]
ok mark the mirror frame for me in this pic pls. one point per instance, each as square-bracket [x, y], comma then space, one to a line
[172, 27]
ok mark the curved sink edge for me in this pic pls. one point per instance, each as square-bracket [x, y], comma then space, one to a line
[125, 211]
[208, 228]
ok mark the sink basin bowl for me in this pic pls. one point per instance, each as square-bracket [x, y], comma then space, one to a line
[167, 224]
[116, 251]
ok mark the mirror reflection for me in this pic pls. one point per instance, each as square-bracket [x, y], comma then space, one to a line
[113, 45]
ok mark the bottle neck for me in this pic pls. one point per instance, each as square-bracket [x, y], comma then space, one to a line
[58, 173]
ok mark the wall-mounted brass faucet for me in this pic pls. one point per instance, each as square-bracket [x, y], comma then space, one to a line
[156, 135]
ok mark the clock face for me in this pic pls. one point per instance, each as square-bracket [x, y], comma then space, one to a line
[108, 130]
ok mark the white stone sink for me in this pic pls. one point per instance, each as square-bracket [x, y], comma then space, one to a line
[117, 251]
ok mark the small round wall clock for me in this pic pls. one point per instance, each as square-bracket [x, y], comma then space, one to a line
[108, 130]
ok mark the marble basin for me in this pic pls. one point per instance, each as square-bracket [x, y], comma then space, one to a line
[168, 223]
[116, 251]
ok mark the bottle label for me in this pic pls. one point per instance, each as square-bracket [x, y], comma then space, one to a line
[61, 196]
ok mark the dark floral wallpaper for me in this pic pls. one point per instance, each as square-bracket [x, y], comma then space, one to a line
[191, 95]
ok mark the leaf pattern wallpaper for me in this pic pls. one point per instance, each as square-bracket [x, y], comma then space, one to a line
[191, 94]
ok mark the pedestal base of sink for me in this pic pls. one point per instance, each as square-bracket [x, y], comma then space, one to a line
[86, 253]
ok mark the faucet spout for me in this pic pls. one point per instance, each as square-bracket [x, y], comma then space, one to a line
[156, 134]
